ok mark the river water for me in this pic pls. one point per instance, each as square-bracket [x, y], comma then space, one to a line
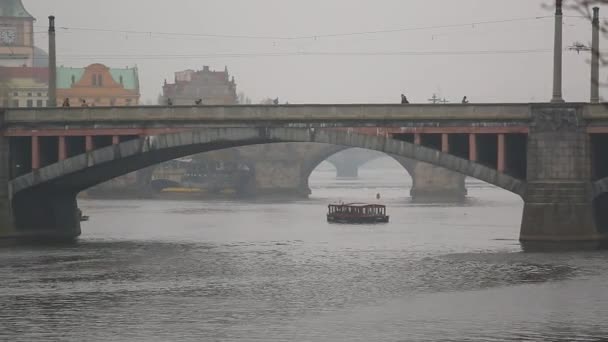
[276, 271]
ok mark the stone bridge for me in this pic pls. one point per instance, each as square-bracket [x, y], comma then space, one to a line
[429, 183]
[284, 169]
[550, 155]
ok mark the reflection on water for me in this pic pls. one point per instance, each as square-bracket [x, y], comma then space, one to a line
[266, 271]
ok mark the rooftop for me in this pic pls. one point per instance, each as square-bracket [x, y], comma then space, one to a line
[14, 9]
[130, 77]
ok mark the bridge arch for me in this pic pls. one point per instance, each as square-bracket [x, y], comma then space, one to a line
[83, 171]
[332, 150]
[44, 201]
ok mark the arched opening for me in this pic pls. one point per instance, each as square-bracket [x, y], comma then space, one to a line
[158, 185]
[377, 173]
[222, 173]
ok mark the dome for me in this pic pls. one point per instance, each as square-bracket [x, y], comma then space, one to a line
[41, 58]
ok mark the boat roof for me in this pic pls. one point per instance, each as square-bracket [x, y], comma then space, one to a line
[357, 205]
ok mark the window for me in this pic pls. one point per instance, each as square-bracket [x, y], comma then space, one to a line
[30, 103]
[15, 103]
[15, 94]
[39, 103]
[29, 94]
[97, 80]
[39, 94]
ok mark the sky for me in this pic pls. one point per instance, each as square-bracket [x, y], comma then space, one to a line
[488, 50]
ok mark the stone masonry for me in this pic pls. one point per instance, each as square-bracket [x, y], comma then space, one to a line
[6, 217]
[559, 202]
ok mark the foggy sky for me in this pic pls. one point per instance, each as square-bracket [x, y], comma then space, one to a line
[328, 79]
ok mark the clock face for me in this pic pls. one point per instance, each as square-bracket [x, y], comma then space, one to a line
[8, 36]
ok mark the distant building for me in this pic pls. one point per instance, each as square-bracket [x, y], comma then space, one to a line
[213, 87]
[98, 85]
[23, 67]
[23, 87]
[16, 35]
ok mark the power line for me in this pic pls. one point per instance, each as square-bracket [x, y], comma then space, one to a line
[304, 37]
[305, 54]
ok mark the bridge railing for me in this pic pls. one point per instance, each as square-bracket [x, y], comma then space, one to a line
[246, 115]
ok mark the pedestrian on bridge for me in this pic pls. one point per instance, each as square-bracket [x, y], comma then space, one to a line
[66, 102]
[404, 99]
[465, 100]
[84, 103]
[198, 102]
[169, 102]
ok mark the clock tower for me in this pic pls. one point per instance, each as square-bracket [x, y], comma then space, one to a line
[16, 34]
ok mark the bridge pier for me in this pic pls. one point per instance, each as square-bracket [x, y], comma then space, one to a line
[559, 204]
[346, 170]
[47, 214]
[280, 178]
[431, 183]
[7, 227]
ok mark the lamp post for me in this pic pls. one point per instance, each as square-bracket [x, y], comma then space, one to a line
[595, 57]
[52, 93]
[557, 54]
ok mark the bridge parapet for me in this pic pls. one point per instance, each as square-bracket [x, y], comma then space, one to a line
[271, 115]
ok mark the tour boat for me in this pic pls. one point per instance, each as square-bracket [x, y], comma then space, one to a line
[357, 213]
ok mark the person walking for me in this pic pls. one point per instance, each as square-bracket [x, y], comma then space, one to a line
[404, 99]
[66, 102]
[198, 102]
[465, 100]
[169, 102]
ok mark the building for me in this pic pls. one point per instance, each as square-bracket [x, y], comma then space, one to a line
[24, 87]
[98, 85]
[213, 87]
[16, 35]
[23, 67]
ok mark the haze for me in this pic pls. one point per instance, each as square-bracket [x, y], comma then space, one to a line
[334, 78]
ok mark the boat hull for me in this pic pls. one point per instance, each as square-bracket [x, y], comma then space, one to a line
[357, 220]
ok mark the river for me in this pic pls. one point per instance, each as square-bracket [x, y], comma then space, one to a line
[276, 271]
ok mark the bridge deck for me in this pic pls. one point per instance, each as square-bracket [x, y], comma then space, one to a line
[371, 113]
[412, 118]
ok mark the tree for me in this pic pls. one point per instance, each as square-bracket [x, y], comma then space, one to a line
[267, 101]
[585, 9]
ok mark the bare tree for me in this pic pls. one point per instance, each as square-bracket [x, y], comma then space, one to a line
[267, 101]
[584, 7]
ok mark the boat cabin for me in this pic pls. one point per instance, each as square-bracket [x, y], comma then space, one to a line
[357, 213]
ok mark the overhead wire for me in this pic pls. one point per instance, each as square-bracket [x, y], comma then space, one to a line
[306, 54]
[301, 37]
